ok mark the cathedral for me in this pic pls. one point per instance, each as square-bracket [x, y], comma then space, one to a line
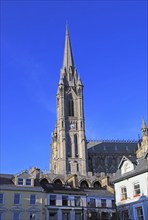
[75, 160]
[79, 185]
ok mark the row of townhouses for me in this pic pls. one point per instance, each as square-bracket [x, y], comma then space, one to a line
[24, 196]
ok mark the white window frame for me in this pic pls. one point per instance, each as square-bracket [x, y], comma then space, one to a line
[55, 199]
[102, 199]
[18, 181]
[26, 182]
[136, 183]
[32, 200]
[19, 199]
[77, 201]
[2, 198]
[66, 196]
[125, 193]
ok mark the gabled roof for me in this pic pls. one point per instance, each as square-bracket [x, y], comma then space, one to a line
[132, 159]
[139, 168]
[24, 171]
[6, 180]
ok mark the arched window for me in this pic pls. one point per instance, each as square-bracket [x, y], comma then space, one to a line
[58, 182]
[97, 184]
[44, 181]
[84, 184]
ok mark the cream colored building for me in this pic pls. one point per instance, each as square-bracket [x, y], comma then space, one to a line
[21, 197]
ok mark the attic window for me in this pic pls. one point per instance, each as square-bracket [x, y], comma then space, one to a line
[20, 181]
[127, 167]
[28, 182]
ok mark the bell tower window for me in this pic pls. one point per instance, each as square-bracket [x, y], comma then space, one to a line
[76, 145]
[71, 107]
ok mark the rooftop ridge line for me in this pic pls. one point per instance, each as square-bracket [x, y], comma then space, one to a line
[113, 140]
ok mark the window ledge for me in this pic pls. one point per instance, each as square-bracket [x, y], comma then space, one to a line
[123, 199]
[136, 195]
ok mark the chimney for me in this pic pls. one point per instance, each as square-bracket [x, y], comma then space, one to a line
[35, 172]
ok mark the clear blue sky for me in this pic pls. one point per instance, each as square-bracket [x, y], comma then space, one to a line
[109, 43]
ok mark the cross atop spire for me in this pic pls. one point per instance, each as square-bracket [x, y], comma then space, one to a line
[68, 57]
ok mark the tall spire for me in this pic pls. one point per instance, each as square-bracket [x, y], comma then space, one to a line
[68, 58]
[144, 126]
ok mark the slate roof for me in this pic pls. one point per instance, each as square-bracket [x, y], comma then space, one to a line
[112, 146]
[61, 189]
[140, 167]
[6, 179]
[133, 159]
[7, 183]
[52, 188]
[98, 192]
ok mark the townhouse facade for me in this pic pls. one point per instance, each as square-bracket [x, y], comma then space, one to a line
[28, 197]
[131, 183]
[21, 197]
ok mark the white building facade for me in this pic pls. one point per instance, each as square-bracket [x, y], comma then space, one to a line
[78, 204]
[131, 188]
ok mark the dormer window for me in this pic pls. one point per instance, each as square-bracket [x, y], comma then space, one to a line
[20, 181]
[24, 178]
[28, 182]
[127, 167]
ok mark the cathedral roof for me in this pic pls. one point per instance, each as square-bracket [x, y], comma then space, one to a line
[112, 146]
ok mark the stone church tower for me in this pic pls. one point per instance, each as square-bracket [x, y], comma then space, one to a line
[69, 154]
